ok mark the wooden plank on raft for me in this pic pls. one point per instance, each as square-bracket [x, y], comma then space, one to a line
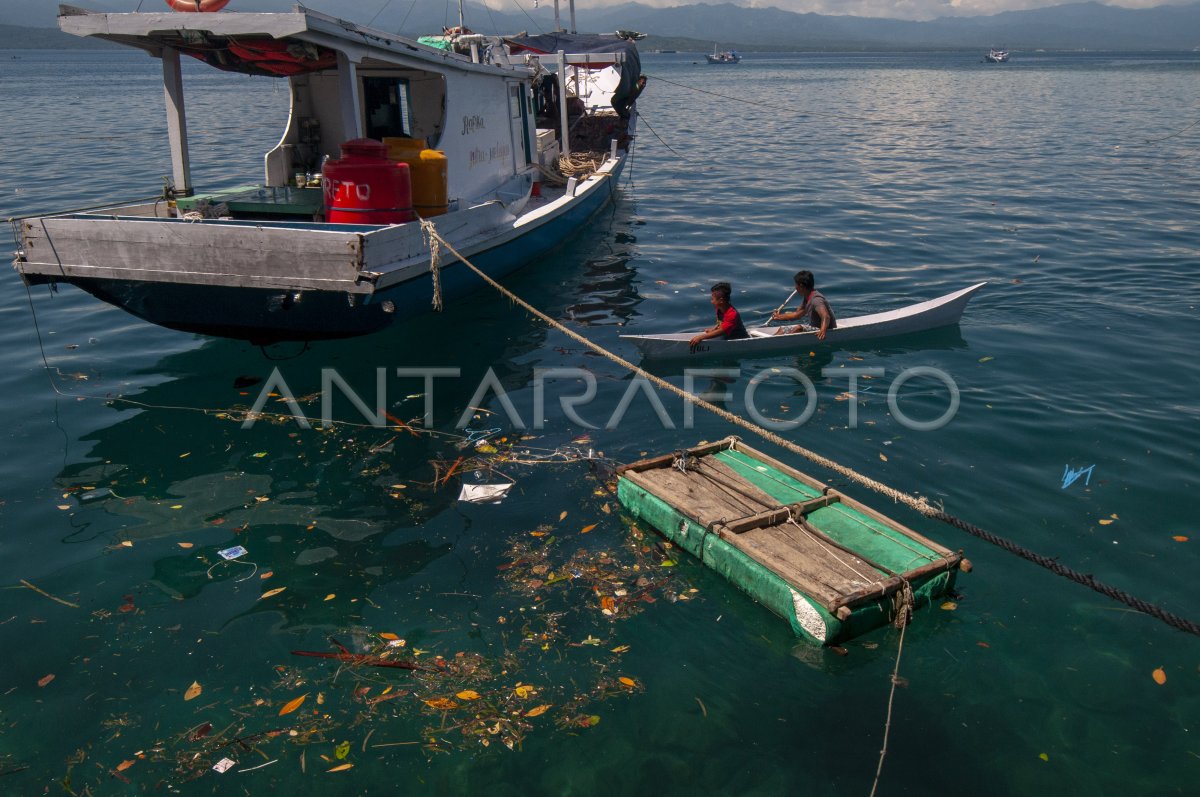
[804, 563]
[668, 459]
[698, 499]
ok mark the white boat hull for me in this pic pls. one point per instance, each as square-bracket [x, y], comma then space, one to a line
[942, 311]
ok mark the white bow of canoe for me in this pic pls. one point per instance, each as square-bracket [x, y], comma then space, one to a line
[940, 312]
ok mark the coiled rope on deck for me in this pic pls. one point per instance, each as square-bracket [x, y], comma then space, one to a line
[917, 503]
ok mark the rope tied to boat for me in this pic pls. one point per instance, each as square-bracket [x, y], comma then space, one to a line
[434, 242]
[915, 502]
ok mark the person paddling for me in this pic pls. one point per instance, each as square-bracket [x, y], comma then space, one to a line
[729, 321]
[814, 314]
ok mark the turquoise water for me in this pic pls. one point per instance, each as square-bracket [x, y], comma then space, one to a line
[1067, 181]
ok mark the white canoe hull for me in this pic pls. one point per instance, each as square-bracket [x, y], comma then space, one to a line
[940, 312]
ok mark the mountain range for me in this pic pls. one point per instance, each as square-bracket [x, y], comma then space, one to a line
[1066, 27]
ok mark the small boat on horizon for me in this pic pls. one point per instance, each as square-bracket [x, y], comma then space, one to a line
[995, 56]
[726, 57]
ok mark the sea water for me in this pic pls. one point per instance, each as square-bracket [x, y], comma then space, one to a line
[1067, 181]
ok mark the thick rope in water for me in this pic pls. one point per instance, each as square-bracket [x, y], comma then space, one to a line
[917, 503]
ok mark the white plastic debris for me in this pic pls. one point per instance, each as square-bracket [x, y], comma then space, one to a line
[232, 553]
[484, 493]
[224, 765]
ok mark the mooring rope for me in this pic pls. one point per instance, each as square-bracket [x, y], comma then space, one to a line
[887, 725]
[917, 503]
[435, 261]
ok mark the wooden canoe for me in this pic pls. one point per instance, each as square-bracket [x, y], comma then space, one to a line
[832, 567]
[940, 312]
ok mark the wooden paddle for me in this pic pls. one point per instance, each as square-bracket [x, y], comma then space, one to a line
[780, 308]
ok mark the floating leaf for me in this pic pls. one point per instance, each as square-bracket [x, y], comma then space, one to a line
[193, 691]
[1159, 676]
[883, 456]
[523, 690]
[949, 606]
[588, 528]
[126, 764]
[538, 533]
[468, 694]
[1105, 521]
[184, 544]
[126, 543]
[441, 703]
[340, 768]
[271, 592]
[64, 507]
[1043, 756]
[563, 516]
[538, 711]
[627, 681]
[320, 698]
[45, 679]
[1180, 538]
[620, 649]
[292, 705]
[330, 596]
[177, 506]
[607, 603]
[593, 719]
[388, 635]
[341, 751]
[668, 563]
[201, 732]
[260, 455]
[985, 359]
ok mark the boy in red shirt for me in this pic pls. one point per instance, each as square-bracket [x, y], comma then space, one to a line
[729, 321]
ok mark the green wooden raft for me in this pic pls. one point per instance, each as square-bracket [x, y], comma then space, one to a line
[832, 567]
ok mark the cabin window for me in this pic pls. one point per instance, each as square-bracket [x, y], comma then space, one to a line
[386, 104]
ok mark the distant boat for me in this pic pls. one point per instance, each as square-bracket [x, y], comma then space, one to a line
[727, 57]
[996, 56]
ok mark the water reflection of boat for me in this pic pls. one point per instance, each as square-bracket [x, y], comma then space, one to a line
[996, 56]
[329, 244]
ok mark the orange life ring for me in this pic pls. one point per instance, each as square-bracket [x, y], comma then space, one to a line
[197, 5]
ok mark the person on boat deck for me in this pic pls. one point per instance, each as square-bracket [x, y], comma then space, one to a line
[815, 314]
[729, 321]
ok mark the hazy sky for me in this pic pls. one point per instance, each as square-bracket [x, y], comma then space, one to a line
[896, 9]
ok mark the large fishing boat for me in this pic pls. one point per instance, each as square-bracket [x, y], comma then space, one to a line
[507, 145]
[725, 57]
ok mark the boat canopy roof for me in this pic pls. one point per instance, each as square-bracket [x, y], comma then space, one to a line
[284, 43]
[583, 45]
[571, 43]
